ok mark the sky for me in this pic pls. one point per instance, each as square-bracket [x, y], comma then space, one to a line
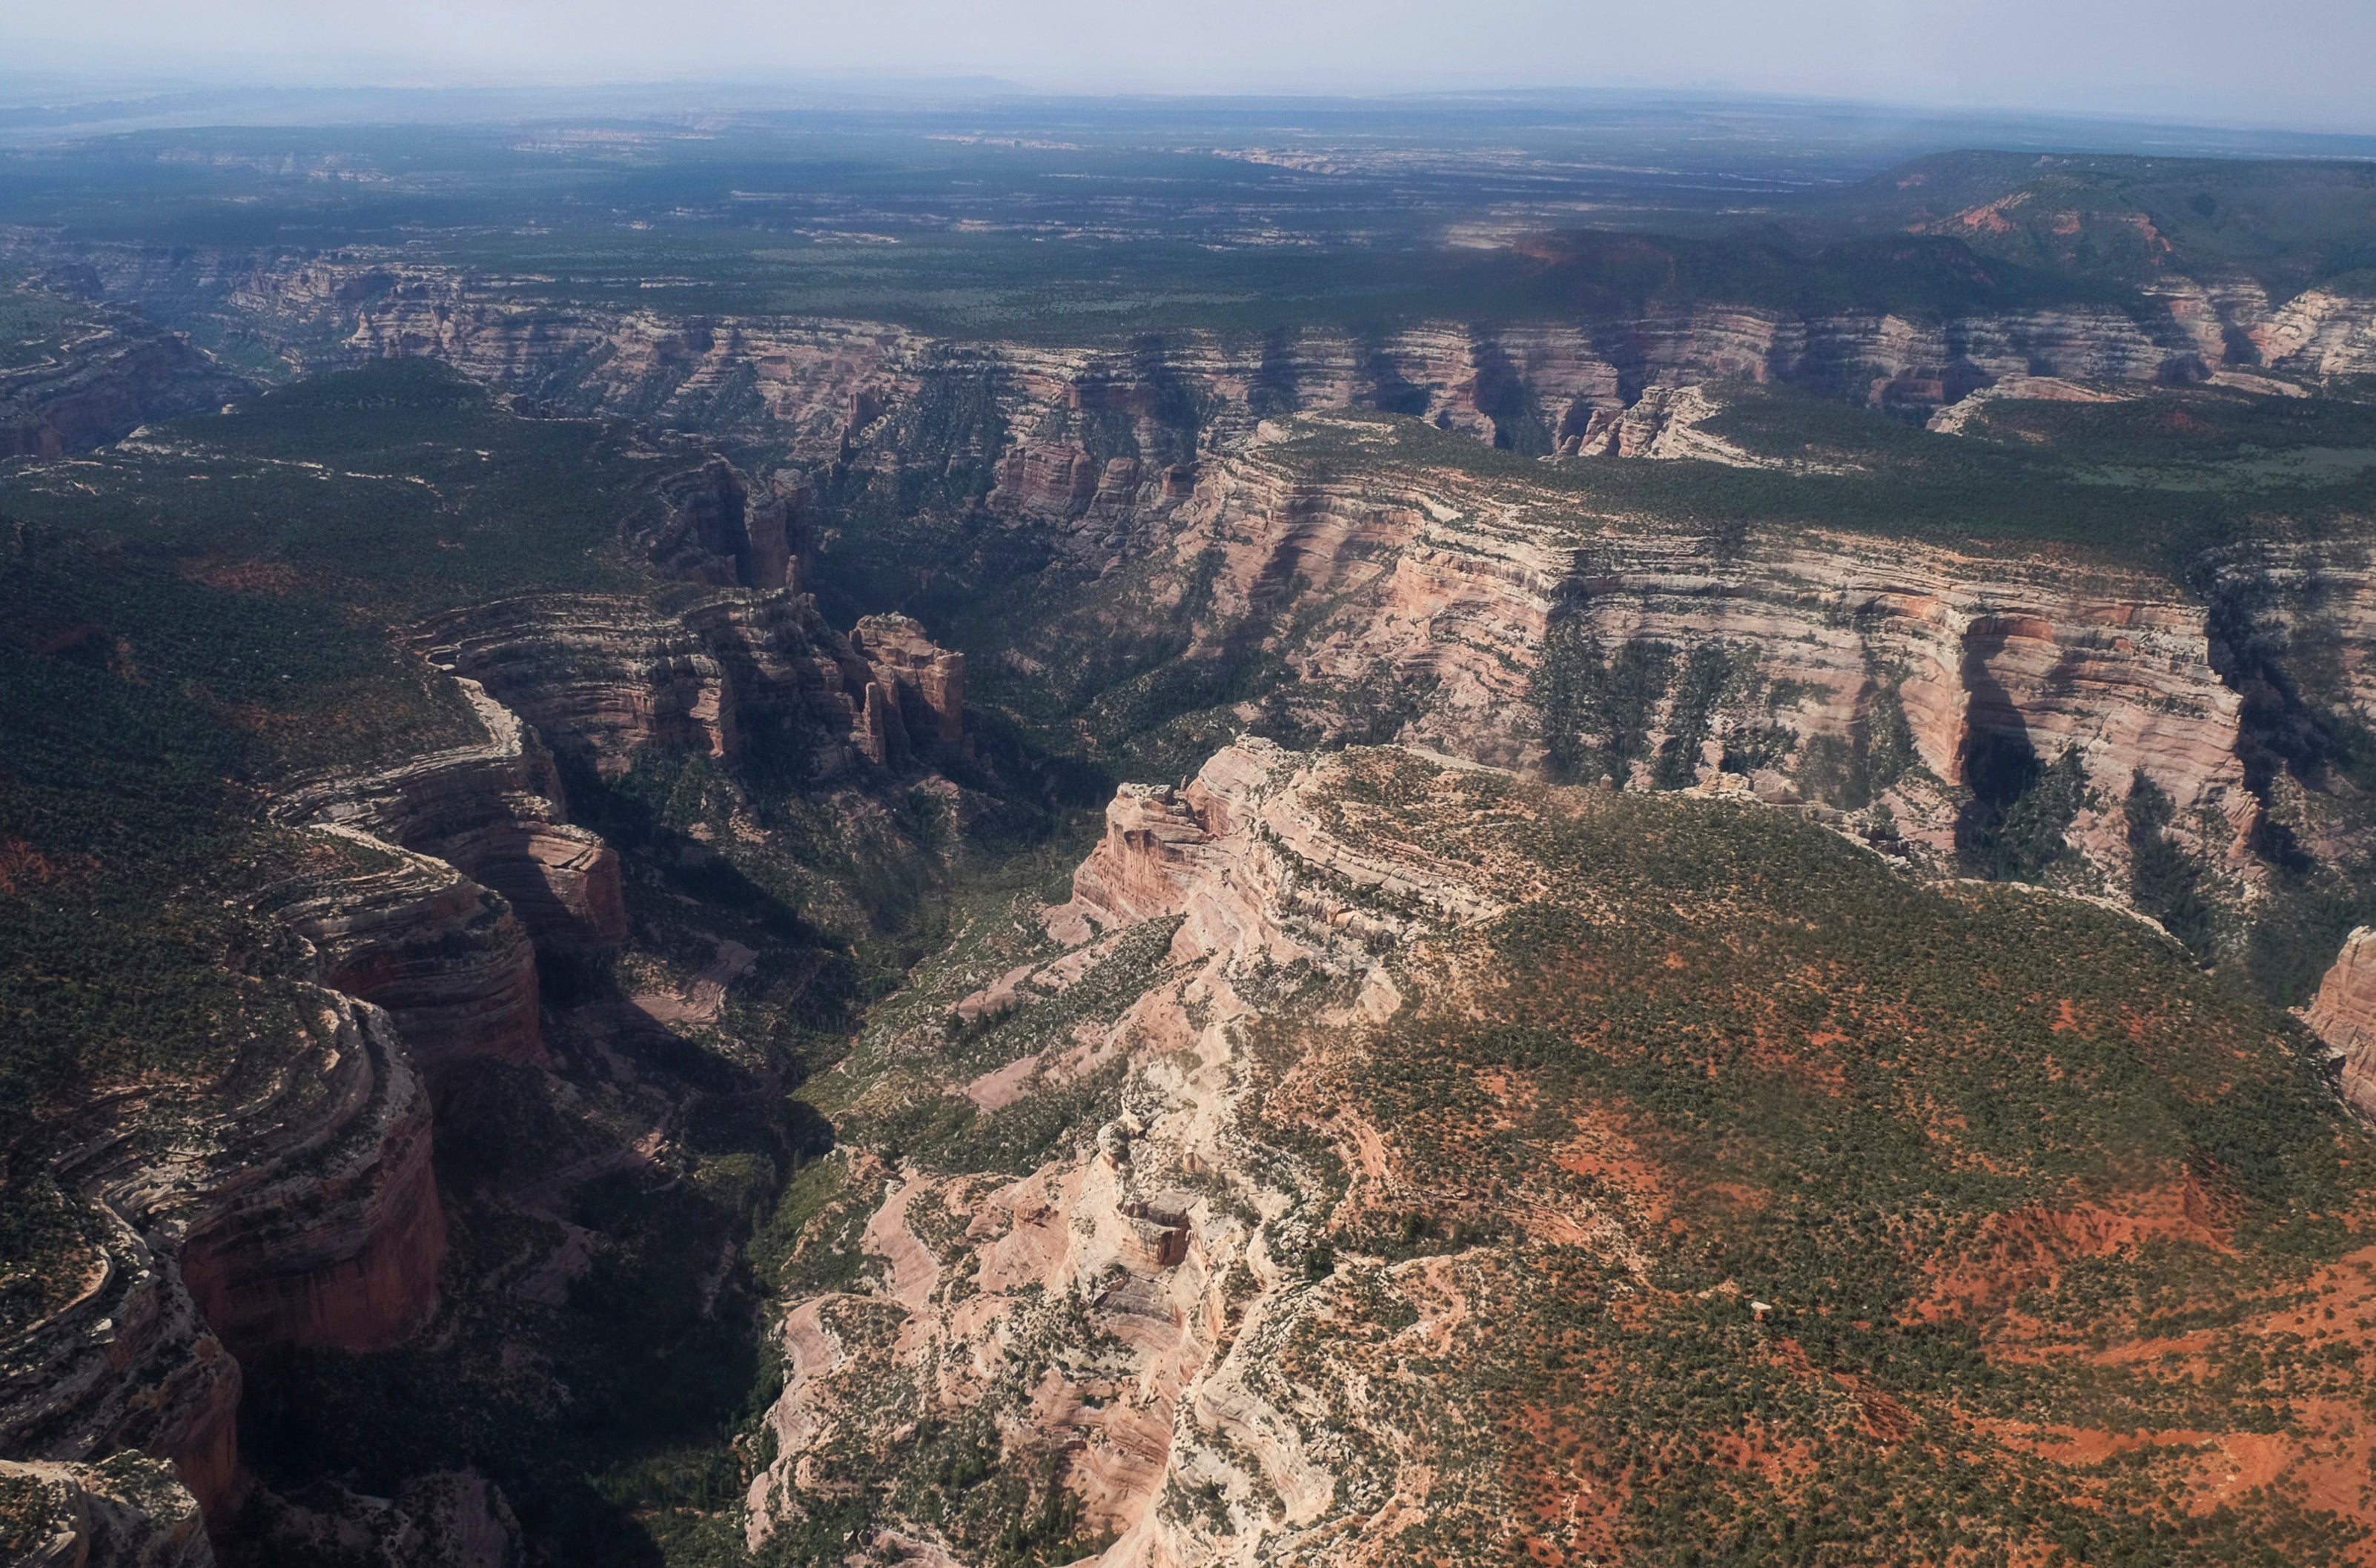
[2294, 63]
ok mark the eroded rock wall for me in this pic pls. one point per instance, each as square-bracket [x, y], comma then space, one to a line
[106, 382]
[296, 1207]
[446, 957]
[823, 391]
[1446, 590]
[496, 811]
[1119, 1309]
[2342, 1015]
[125, 1512]
[720, 672]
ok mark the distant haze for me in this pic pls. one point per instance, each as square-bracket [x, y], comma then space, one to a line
[2304, 63]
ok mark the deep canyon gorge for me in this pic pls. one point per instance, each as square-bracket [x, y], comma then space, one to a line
[1685, 929]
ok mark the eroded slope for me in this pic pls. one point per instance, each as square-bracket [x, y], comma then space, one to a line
[1444, 1165]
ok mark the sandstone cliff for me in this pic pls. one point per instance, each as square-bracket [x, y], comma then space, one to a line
[2344, 1015]
[296, 1207]
[826, 390]
[495, 812]
[446, 957]
[1442, 592]
[718, 674]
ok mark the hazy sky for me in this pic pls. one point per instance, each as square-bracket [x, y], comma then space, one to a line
[2299, 63]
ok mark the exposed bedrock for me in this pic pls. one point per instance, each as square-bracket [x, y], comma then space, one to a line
[718, 533]
[1166, 1228]
[495, 811]
[295, 1206]
[726, 673]
[105, 385]
[127, 1510]
[2344, 1015]
[1450, 590]
[1107, 429]
[926, 683]
[341, 1250]
[445, 956]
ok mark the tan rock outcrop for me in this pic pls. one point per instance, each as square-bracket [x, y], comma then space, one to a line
[926, 682]
[1153, 1227]
[1447, 585]
[604, 677]
[127, 1510]
[2344, 1015]
[828, 390]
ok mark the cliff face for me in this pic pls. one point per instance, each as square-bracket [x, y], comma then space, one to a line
[125, 1512]
[338, 1251]
[825, 390]
[922, 687]
[445, 956]
[717, 532]
[108, 379]
[294, 1207]
[720, 673]
[2344, 1015]
[295, 1204]
[495, 812]
[1444, 591]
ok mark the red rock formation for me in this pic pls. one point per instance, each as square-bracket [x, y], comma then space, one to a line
[1153, 852]
[880, 737]
[1056, 482]
[718, 533]
[340, 1252]
[2344, 1015]
[301, 1204]
[445, 956]
[605, 677]
[925, 681]
[494, 812]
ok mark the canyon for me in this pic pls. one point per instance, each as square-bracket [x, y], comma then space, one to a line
[817, 390]
[1649, 1010]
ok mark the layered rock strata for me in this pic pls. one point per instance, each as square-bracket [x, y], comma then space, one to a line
[921, 685]
[1445, 589]
[495, 812]
[717, 532]
[108, 380]
[446, 957]
[718, 674]
[125, 1512]
[2342, 1015]
[826, 390]
[296, 1208]
[1172, 1229]
[1156, 1229]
